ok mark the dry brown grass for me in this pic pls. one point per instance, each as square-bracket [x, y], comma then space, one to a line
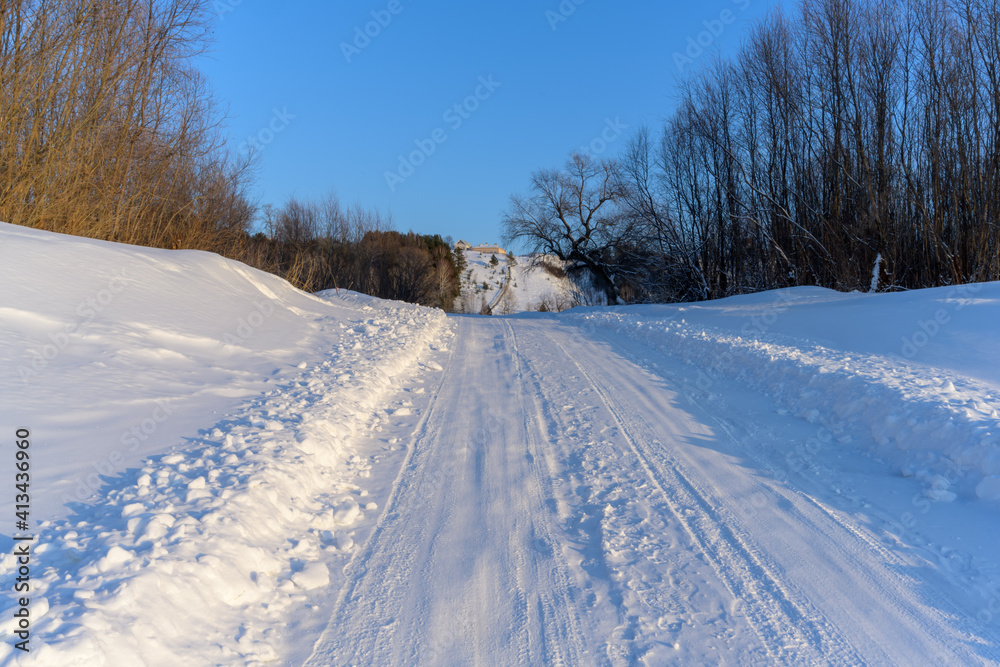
[107, 131]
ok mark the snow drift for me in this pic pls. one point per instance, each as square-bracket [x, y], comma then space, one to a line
[911, 377]
[192, 422]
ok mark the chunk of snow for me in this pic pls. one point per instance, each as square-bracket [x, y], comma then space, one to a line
[989, 488]
[347, 513]
[312, 576]
[113, 559]
[940, 495]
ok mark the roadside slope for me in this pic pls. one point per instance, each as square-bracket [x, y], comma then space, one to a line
[209, 414]
[112, 352]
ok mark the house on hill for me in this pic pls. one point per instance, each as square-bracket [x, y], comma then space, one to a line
[462, 245]
[489, 248]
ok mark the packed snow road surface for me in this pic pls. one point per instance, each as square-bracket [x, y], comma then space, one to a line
[562, 504]
[225, 470]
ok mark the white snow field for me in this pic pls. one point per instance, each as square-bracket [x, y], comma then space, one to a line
[794, 477]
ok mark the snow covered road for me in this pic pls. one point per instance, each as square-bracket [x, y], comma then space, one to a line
[562, 504]
[461, 568]
[261, 476]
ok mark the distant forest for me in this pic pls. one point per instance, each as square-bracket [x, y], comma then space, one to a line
[107, 131]
[322, 245]
[852, 144]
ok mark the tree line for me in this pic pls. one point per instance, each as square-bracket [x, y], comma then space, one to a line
[324, 245]
[108, 130]
[856, 137]
[851, 138]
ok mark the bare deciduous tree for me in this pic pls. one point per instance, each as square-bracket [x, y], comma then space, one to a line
[859, 129]
[573, 214]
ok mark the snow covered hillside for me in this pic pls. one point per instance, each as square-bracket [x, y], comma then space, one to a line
[225, 470]
[516, 284]
[190, 423]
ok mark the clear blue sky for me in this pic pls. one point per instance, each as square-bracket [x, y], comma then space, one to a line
[560, 82]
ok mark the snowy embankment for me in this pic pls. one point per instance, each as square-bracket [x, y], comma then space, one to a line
[912, 378]
[517, 286]
[192, 424]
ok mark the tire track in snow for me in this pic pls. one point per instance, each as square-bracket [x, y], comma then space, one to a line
[463, 566]
[357, 569]
[634, 567]
[570, 625]
[935, 625]
[547, 424]
[773, 609]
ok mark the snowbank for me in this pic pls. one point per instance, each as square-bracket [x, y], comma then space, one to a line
[206, 409]
[913, 378]
[112, 352]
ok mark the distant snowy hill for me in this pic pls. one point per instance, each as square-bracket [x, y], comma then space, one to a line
[516, 284]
